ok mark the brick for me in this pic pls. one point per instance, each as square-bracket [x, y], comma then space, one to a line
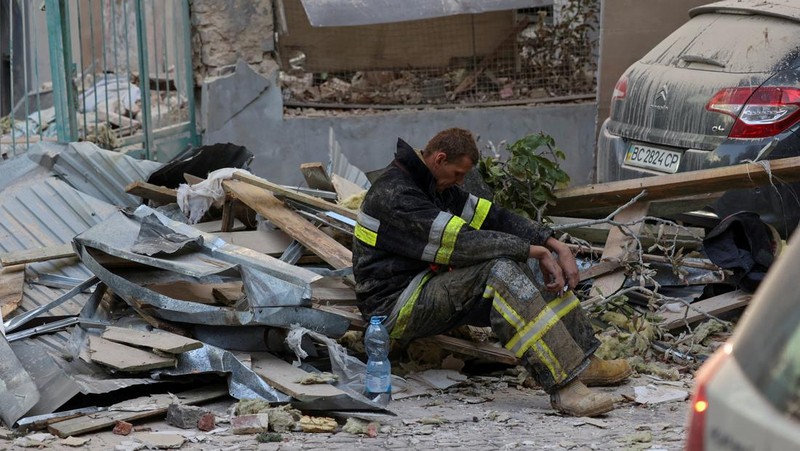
[122, 428]
[207, 422]
[250, 424]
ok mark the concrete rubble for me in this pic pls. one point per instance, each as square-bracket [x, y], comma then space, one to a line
[117, 310]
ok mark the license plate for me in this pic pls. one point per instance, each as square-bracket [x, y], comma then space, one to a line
[661, 160]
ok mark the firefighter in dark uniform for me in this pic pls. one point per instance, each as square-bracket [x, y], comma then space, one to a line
[431, 257]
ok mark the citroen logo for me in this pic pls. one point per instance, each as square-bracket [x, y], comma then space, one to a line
[660, 100]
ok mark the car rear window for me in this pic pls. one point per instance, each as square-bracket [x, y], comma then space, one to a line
[735, 43]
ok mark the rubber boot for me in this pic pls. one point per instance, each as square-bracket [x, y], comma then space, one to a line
[605, 372]
[577, 400]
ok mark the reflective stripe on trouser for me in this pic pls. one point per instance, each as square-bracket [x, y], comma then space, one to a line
[550, 334]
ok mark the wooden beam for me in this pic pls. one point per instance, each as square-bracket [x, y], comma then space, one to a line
[156, 339]
[612, 195]
[37, 255]
[686, 237]
[152, 192]
[487, 351]
[294, 195]
[157, 405]
[266, 204]
[712, 306]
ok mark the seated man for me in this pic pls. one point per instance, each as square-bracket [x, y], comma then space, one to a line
[432, 257]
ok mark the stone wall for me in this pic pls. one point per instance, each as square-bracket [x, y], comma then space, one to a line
[224, 31]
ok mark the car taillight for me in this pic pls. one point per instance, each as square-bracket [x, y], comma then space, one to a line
[699, 405]
[759, 112]
[620, 89]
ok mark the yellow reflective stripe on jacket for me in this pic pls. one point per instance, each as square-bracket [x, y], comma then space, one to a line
[475, 211]
[480, 213]
[544, 321]
[442, 238]
[509, 314]
[405, 312]
[449, 240]
[365, 235]
[366, 229]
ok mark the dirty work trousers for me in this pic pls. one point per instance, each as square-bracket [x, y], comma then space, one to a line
[550, 334]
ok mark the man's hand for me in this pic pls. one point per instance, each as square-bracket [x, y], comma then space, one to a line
[565, 260]
[551, 269]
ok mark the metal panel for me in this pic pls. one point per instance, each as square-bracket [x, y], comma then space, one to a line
[340, 13]
[102, 173]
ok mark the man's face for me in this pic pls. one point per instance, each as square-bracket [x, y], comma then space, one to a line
[450, 173]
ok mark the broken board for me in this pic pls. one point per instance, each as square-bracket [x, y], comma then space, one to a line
[284, 376]
[155, 339]
[294, 195]
[156, 405]
[125, 358]
[316, 176]
[12, 283]
[615, 249]
[711, 306]
[271, 242]
[152, 192]
[37, 255]
[268, 206]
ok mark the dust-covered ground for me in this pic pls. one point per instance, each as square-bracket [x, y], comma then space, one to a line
[485, 412]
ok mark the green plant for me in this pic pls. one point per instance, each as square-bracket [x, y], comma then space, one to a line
[524, 183]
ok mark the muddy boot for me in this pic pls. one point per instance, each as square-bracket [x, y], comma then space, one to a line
[605, 372]
[578, 401]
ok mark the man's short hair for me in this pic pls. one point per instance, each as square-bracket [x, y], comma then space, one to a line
[455, 143]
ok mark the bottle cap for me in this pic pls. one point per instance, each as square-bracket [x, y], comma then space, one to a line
[376, 319]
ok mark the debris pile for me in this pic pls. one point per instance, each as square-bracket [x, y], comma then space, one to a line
[107, 286]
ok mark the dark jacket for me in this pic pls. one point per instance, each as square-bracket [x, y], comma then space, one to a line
[405, 226]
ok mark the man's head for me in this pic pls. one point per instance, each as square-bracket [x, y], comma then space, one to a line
[450, 155]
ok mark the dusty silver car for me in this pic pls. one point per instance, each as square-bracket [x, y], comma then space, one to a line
[722, 89]
[747, 395]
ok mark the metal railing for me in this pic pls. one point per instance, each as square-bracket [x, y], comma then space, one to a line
[115, 72]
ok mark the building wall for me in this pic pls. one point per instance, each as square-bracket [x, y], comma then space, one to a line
[224, 31]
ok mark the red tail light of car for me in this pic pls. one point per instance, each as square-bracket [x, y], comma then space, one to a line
[620, 89]
[759, 112]
[698, 407]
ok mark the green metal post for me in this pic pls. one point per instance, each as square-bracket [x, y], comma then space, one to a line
[144, 75]
[61, 70]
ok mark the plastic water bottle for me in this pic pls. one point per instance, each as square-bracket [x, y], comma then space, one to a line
[378, 382]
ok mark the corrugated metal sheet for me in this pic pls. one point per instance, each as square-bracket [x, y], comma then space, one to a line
[102, 173]
[47, 214]
[341, 167]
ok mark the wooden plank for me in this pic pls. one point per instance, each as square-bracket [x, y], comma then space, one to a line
[12, 284]
[316, 176]
[118, 119]
[157, 405]
[155, 339]
[294, 195]
[152, 192]
[615, 249]
[125, 358]
[284, 376]
[266, 204]
[487, 351]
[604, 267]
[37, 255]
[345, 188]
[613, 194]
[712, 306]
